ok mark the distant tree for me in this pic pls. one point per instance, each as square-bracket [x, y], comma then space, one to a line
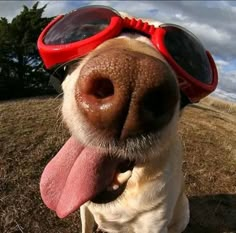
[4, 48]
[20, 64]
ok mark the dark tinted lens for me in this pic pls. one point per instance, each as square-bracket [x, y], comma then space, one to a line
[188, 53]
[79, 25]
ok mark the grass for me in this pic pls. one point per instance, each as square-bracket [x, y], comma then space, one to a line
[31, 133]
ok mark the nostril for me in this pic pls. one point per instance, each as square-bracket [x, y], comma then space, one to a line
[100, 88]
[154, 104]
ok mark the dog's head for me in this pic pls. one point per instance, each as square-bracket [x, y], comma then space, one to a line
[121, 97]
[121, 104]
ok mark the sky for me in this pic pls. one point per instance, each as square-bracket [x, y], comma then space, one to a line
[213, 22]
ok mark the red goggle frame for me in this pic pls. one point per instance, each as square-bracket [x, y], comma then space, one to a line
[56, 54]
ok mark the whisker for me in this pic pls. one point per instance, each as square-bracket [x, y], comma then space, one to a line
[59, 96]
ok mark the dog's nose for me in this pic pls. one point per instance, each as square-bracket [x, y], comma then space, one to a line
[123, 93]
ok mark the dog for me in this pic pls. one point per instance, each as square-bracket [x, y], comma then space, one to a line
[122, 105]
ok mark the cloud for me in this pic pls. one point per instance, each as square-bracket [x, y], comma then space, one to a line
[9, 9]
[227, 81]
[54, 8]
[180, 16]
[224, 95]
[221, 63]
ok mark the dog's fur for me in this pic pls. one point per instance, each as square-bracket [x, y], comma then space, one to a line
[154, 199]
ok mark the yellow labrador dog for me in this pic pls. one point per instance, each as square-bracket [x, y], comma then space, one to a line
[123, 164]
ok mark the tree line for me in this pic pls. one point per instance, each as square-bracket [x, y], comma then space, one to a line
[21, 70]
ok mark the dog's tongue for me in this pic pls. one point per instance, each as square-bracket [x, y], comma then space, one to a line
[74, 176]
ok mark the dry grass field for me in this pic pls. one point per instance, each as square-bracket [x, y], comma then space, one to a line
[31, 133]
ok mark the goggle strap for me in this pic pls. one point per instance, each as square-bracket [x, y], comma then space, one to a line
[184, 101]
[55, 82]
[139, 25]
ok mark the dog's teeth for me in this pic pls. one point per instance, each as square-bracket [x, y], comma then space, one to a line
[112, 187]
[120, 179]
[115, 186]
[123, 177]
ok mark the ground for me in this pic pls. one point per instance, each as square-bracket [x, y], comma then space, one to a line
[32, 132]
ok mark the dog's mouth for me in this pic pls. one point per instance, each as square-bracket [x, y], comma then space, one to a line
[78, 174]
[117, 186]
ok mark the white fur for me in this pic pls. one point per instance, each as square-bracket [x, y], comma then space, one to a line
[154, 199]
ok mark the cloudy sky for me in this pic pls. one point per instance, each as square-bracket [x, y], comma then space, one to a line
[212, 21]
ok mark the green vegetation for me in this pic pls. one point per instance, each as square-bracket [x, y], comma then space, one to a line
[21, 69]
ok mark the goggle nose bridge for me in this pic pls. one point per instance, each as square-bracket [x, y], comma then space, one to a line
[138, 25]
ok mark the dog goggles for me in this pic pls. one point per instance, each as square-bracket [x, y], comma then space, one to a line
[71, 36]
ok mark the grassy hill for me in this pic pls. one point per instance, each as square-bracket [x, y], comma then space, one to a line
[31, 133]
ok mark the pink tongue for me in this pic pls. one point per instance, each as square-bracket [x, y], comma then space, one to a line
[74, 176]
